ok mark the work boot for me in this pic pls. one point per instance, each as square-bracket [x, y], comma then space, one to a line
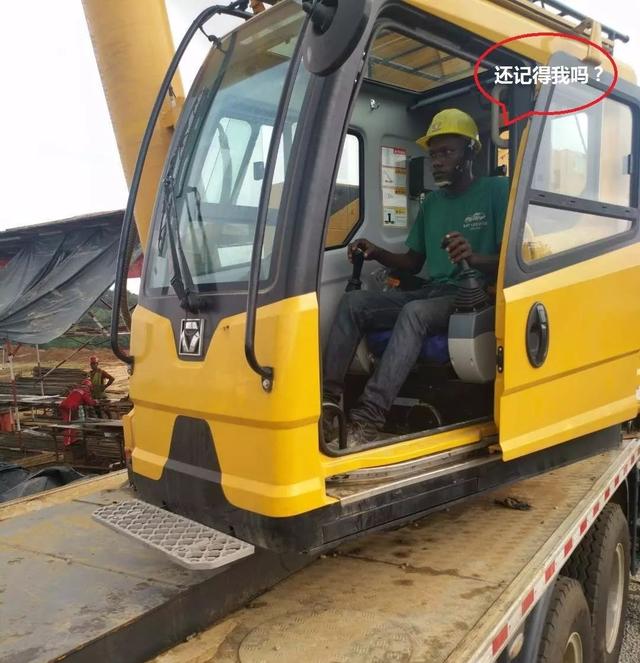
[361, 432]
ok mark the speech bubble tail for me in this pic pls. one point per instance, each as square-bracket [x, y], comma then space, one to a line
[509, 121]
[505, 115]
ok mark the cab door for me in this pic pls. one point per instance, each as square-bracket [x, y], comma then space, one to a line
[568, 301]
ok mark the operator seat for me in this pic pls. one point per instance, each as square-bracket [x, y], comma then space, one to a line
[435, 349]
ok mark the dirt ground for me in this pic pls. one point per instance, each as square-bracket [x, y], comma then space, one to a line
[631, 645]
[26, 359]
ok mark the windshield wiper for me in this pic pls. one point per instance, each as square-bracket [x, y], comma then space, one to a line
[182, 281]
[235, 9]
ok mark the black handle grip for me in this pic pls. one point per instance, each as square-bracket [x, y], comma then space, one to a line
[464, 265]
[358, 260]
[537, 335]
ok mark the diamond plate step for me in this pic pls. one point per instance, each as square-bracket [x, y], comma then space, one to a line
[186, 542]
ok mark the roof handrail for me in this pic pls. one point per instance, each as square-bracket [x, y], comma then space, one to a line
[563, 18]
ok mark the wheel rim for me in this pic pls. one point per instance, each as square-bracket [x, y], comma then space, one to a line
[614, 599]
[573, 650]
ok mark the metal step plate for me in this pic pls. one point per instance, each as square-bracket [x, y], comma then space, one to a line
[186, 542]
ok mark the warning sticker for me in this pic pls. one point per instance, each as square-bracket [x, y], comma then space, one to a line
[395, 216]
[394, 186]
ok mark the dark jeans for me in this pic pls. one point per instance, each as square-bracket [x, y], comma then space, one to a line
[413, 315]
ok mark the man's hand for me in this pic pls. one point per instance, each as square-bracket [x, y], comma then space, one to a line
[458, 247]
[370, 250]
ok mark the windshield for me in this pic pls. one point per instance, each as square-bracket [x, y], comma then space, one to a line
[218, 163]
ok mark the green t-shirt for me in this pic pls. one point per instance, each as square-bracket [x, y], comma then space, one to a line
[478, 214]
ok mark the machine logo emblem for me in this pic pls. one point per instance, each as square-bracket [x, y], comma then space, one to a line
[191, 337]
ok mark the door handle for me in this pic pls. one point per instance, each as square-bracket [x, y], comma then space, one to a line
[537, 336]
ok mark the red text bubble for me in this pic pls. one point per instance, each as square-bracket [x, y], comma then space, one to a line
[506, 120]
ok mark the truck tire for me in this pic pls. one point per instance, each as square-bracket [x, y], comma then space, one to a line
[601, 564]
[567, 636]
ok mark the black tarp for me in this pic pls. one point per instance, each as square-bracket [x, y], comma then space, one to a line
[16, 482]
[54, 278]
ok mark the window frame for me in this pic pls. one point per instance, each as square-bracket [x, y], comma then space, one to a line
[186, 139]
[519, 270]
[351, 131]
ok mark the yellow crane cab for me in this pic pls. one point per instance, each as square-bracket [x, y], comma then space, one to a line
[298, 136]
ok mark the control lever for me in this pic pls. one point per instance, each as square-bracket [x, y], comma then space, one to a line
[464, 265]
[354, 282]
[470, 295]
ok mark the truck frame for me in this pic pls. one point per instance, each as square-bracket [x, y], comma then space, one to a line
[529, 569]
[478, 582]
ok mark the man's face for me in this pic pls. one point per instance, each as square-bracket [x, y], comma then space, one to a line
[94, 365]
[446, 152]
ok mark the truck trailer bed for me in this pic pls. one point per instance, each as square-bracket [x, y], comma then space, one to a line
[452, 587]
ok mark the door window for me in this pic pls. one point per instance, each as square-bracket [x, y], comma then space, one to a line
[346, 206]
[581, 188]
[586, 154]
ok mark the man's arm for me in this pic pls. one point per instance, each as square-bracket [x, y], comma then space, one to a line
[87, 399]
[110, 379]
[486, 264]
[411, 261]
[458, 248]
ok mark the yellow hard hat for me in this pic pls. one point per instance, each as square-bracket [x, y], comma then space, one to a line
[452, 121]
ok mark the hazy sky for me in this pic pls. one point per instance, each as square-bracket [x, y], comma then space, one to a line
[60, 157]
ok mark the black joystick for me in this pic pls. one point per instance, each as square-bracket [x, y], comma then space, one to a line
[470, 295]
[354, 282]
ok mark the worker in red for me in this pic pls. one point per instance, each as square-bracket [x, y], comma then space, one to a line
[100, 379]
[80, 395]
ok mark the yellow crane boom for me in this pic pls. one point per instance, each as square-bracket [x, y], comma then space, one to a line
[133, 47]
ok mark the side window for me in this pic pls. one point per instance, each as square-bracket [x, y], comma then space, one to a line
[582, 179]
[346, 206]
[586, 154]
[566, 156]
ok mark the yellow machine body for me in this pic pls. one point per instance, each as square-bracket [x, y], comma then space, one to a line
[208, 440]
